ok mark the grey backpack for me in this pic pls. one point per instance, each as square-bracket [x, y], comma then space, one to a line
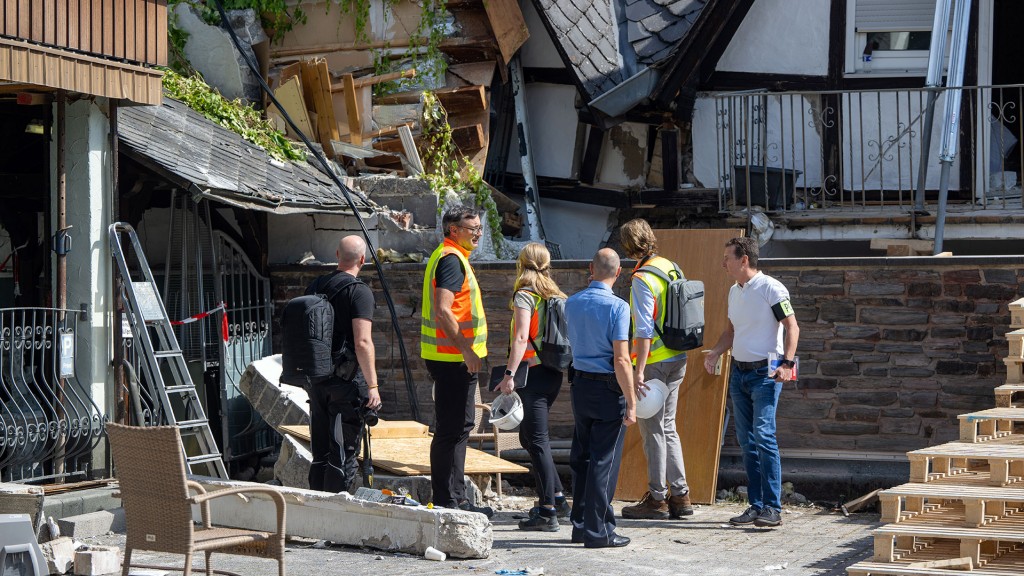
[683, 328]
[555, 351]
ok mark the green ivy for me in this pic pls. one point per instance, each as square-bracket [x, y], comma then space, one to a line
[231, 114]
[275, 16]
[447, 172]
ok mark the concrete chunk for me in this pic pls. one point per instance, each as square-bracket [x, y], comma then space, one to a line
[98, 560]
[342, 519]
[92, 524]
[59, 554]
[21, 499]
[279, 405]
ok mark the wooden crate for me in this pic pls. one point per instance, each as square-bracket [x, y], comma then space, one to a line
[986, 425]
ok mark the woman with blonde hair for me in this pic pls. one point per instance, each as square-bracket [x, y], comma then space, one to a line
[532, 288]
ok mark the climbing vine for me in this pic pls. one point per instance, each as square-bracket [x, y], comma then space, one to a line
[447, 172]
[231, 114]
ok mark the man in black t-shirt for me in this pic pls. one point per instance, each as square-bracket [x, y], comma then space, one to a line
[335, 426]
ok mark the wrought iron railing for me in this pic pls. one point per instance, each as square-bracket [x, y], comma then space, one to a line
[49, 424]
[861, 149]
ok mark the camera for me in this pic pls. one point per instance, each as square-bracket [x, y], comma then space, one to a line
[369, 416]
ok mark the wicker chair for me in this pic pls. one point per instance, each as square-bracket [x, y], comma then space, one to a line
[485, 432]
[158, 505]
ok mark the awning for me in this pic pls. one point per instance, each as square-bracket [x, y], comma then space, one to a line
[186, 148]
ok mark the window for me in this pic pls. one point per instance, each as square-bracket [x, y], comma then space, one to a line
[887, 37]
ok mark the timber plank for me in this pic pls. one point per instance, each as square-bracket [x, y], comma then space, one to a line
[701, 409]
[466, 139]
[509, 26]
[459, 100]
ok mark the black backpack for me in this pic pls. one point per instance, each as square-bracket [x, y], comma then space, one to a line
[307, 335]
[555, 351]
[683, 328]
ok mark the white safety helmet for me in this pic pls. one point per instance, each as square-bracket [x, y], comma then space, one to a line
[507, 411]
[649, 405]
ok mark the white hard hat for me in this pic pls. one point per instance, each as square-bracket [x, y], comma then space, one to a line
[507, 411]
[649, 405]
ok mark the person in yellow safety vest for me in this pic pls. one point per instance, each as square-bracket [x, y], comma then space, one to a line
[453, 339]
[668, 494]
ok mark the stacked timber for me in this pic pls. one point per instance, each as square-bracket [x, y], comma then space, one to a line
[963, 509]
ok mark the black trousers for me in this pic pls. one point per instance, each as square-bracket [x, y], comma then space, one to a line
[454, 419]
[336, 431]
[542, 387]
[598, 407]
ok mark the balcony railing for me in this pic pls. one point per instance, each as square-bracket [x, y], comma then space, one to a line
[128, 30]
[49, 424]
[862, 149]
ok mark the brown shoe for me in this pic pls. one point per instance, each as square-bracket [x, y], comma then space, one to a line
[647, 509]
[679, 506]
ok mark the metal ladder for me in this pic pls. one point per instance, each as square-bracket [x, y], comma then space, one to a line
[161, 359]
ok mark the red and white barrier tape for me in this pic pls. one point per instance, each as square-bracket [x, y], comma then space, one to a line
[222, 307]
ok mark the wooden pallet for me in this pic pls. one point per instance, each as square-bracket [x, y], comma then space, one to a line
[990, 424]
[1016, 341]
[1014, 370]
[1005, 461]
[897, 541]
[982, 504]
[1006, 396]
[1016, 314]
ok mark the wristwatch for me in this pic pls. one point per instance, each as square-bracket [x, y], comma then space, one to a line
[509, 372]
[787, 363]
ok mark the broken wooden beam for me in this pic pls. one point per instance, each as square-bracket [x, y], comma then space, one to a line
[373, 80]
[466, 139]
[455, 100]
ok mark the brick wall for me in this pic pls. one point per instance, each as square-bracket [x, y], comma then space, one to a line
[892, 350]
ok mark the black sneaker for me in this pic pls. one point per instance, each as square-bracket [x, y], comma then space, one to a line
[562, 507]
[748, 517]
[540, 523]
[468, 507]
[768, 518]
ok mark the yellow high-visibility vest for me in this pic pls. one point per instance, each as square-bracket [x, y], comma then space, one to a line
[658, 287]
[468, 308]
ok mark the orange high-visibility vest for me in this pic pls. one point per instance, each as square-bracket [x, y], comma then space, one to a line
[531, 352]
[468, 309]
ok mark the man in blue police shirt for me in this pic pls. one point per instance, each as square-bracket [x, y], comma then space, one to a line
[603, 400]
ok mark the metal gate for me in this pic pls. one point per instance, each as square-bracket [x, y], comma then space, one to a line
[49, 424]
[203, 269]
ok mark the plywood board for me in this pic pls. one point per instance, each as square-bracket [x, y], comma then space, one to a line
[383, 430]
[290, 97]
[508, 24]
[701, 410]
[411, 457]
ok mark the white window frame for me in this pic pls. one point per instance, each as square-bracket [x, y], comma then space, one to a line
[883, 62]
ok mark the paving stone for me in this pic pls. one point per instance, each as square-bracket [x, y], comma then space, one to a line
[92, 524]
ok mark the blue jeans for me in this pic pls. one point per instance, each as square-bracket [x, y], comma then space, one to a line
[754, 399]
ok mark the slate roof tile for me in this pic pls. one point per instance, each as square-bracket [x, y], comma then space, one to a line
[195, 149]
[639, 9]
[588, 33]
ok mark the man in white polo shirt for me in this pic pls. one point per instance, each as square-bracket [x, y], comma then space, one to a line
[761, 322]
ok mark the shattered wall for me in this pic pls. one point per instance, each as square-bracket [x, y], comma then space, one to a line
[891, 349]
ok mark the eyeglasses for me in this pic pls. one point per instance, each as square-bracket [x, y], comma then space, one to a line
[475, 230]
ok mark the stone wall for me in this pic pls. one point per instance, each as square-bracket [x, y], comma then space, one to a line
[892, 349]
